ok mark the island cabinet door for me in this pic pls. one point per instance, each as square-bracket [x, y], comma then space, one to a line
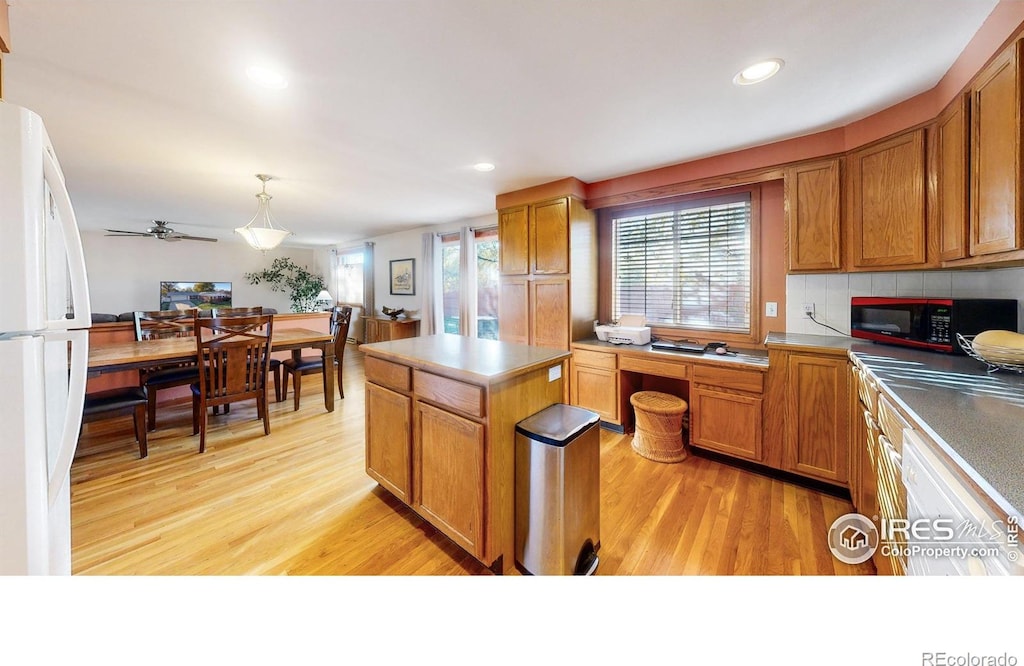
[448, 489]
[388, 439]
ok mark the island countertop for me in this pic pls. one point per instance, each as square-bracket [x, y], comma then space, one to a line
[483, 362]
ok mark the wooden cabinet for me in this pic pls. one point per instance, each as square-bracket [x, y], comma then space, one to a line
[817, 432]
[549, 306]
[385, 329]
[449, 487]
[886, 209]
[996, 155]
[514, 312]
[595, 384]
[951, 161]
[726, 422]
[813, 216]
[514, 246]
[441, 413]
[807, 414]
[548, 293]
[549, 237]
[725, 411]
[388, 439]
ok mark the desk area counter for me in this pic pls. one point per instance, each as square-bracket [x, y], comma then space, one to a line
[441, 412]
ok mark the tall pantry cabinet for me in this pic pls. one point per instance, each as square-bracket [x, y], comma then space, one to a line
[548, 263]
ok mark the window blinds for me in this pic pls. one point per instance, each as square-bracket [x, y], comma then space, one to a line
[687, 265]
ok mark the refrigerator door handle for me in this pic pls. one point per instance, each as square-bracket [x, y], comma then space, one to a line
[72, 245]
[79, 364]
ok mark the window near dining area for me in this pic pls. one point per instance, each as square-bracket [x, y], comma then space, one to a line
[349, 276]
[685, 264]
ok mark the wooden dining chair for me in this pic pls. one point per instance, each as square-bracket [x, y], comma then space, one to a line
[236, 312]
[234, 357]
[275, 364]
[154, 325]
[341, 317]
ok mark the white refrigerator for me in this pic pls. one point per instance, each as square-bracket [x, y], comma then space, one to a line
[44, 346]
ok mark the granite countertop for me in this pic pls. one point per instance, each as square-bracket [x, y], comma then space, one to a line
[977, 417]
[470, 359]
[748, 357]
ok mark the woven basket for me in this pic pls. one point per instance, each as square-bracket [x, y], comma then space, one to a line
[659, 426]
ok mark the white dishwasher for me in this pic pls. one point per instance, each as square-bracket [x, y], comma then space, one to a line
[982, 542]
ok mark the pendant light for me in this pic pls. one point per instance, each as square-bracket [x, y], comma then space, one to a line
[261, 233]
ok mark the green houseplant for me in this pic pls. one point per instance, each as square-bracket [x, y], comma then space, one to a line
[285, 275]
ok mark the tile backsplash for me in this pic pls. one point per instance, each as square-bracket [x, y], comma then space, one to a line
[831, 293]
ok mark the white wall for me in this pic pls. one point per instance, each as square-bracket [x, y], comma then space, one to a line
[125, 273]
[831, 293]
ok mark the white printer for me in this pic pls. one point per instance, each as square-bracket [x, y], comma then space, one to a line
[630, 330]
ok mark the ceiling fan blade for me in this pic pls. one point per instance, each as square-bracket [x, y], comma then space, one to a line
[198, 238]
[119, 232]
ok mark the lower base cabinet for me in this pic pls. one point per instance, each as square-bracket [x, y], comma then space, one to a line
[387, 439]
[817, 433]
[726, 422]
[449, 454]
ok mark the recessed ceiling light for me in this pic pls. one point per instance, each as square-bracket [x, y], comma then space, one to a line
[758, 72]
[268, 77]
[483, 166]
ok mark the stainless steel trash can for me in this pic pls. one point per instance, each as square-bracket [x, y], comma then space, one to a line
[558, 491]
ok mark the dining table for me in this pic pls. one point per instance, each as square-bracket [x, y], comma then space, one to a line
[145, 354]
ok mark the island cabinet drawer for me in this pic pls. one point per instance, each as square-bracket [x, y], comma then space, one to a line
[750, 381]
[594, 359]
[655, 367]
[386, 373]
[450, 393]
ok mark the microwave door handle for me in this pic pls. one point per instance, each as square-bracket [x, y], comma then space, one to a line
[72, 246]
[79, 364]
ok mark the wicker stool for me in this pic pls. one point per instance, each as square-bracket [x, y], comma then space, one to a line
[659, 420]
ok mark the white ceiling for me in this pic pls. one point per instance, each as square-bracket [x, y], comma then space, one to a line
[390, 102]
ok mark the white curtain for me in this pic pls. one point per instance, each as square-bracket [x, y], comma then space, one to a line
[428, 319]
[467, 282]
[369, 301]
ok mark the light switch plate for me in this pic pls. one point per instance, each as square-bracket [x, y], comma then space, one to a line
[554, 372]
[771, 309]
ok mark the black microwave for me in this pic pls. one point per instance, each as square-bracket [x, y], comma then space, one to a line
[929, 323]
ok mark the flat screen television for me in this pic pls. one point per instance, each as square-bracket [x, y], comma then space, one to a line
[188, 295]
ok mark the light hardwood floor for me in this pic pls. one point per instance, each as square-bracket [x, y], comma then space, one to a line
[299, 502]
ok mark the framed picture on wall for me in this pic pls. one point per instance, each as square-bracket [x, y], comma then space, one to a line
[403, 277]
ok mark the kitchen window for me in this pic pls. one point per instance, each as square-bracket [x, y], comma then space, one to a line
[687, 264]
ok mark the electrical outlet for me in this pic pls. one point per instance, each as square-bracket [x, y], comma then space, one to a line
[808, 310]
[771, 309]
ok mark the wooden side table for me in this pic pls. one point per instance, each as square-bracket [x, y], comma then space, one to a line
[384, 329]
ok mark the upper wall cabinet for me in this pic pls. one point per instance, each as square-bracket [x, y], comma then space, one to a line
[549, 237]
[996, 172]
[514, 248]
[951, 160]
[886, 203]
[813, 216]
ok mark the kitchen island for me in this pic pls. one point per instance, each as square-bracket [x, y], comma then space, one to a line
[441, 412]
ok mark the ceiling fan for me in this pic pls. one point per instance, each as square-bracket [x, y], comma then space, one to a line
[160, 230]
